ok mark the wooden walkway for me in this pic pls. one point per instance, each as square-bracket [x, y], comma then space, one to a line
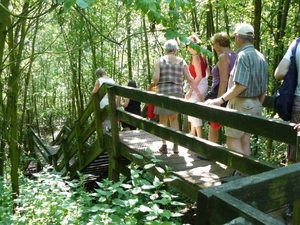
[204, 173]
[186, 164]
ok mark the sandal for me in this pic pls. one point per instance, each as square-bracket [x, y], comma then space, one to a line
[175, 149]
[163, 149]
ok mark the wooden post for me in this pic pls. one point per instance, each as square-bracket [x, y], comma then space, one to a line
[115, 153]
[98, 121]
[79, 144]
[66, 155]
[296, 208]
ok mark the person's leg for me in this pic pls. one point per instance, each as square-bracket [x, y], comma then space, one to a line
[213, 135]
[199, 131]
[246, 143]
[174, 124]
[193, 130]
[163, 119]
[234, 144]
[174, 121]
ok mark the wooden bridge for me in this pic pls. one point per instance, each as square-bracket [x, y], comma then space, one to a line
[87, 147]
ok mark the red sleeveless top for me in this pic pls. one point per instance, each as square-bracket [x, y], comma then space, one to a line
[202, 66]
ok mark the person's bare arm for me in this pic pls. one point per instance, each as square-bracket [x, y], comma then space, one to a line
[223, 65]
[282, 69]
[125, 104]
[96, 87]
[191, 81]
[231, 93]
[297, 127]
[156, 76]
[95, 90]
[197, 65]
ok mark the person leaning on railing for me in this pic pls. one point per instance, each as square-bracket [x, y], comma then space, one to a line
[102, 78]
[247, 86]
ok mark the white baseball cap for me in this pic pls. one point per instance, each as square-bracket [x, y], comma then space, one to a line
[244, 29]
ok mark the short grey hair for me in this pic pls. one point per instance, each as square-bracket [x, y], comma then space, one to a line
[171, 45]
[100, 71]
[247, 38]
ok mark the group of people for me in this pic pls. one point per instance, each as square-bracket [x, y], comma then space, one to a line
[239, 81]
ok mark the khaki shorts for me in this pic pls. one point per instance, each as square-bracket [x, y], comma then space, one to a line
[244, 105]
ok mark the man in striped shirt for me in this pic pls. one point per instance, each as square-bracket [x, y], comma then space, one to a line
[247, 85]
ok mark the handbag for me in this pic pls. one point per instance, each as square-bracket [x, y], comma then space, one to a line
[212, 94]
[284, 96]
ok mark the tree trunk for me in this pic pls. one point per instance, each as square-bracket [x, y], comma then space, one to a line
[129, 59]
[257, 22]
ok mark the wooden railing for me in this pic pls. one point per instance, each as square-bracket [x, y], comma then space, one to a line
[86, 140]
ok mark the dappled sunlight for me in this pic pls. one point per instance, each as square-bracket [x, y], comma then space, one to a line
[204, 173]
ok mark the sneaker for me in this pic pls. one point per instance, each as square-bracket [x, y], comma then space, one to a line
[175, 149]
[163, 149]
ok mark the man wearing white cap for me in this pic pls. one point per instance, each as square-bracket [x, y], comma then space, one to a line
[247, 85]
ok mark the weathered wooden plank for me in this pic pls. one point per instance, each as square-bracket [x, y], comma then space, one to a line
[225, 208]
[220, 115]
[215, 152]
[268, 190]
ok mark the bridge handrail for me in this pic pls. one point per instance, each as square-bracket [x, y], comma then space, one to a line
[73, 156]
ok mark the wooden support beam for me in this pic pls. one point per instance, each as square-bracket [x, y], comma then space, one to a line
[225, 208]
[268, 190]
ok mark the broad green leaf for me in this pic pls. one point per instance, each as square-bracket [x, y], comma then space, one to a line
[148, 166]
[177, 203]
[118, 202]
[83, 3]
[161, 170]
[167, 214]
[144, 208]
[138, 156]
[163, 201]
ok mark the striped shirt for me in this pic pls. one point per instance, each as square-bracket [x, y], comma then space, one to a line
[170, 81]
[250, 70]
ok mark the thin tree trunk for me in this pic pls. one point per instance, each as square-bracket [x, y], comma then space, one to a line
[129, 59]
[149, 75]
[257, 22]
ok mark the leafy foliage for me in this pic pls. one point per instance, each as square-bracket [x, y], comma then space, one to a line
[51, 199]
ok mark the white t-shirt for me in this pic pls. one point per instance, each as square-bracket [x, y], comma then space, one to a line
[288, 57]
[102, 80]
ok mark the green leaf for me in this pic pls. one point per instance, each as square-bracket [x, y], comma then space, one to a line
[177, 203]
[118, 202]
[148, 166]
[83, 3]
[163, 201]
[160, 170]
[144, 208]
[138, 156]
[167, 214]
[155, 160]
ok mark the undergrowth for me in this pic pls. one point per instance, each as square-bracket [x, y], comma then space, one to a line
[51, 199]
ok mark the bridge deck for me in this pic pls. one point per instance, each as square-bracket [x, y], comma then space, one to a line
[186, 164]
[204, 173]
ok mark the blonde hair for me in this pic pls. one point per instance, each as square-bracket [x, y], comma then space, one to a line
[221, 38]
[194, 38]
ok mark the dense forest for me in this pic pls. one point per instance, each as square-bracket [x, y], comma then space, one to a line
[49, 51]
